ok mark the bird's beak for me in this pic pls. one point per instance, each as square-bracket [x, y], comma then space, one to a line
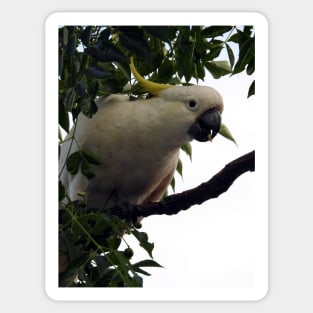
[206, 126]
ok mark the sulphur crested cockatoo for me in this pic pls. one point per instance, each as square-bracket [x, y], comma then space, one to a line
[138, 142]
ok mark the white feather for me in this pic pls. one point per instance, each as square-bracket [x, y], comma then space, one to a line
[138, 143]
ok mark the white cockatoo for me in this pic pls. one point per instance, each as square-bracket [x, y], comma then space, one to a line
[138, 142]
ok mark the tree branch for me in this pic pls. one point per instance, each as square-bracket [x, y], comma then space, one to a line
[217, 185]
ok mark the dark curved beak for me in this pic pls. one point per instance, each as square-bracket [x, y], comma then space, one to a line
[206, 126]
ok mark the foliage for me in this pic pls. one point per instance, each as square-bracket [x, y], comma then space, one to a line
[90, 239]
[94, 61]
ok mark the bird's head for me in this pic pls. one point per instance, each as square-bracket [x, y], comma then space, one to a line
[204, 105]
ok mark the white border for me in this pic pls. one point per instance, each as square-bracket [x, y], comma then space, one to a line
[51, 156]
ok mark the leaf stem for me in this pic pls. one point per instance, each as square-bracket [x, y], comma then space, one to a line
[74, 218]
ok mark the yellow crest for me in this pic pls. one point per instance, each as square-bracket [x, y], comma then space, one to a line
[151, 87]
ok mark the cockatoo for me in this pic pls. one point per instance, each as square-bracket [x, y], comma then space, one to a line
[138, 142]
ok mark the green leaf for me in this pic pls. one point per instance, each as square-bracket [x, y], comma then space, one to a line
[215, 31]
[102, 262]
[63, 116]
[200, 73]
[105, 34]
[184, 54]
[166, 71]
[88, 106]
[114, 85]
[136, 44]
[160, 32]
[202, 45]
[124, 69]
[246, 53]
[61, 191]
[223, 64]
[218, 68]
[70, 98]
[234, 38]
[173, 184]
[73, 162]
[214, 52]
[136, 281]
[72, 268]
[141, 271]
[187, 148]
[106, 278]
[71, 48]
[90, 157]
[67, 242]
[107, 53]
[86, 169]
[100, 225]
[76, 228]
[119, 259]
[231, 56]
[143, 241]
[248, 29]
[179, 167]
[147, 263]
[96, 72]
[65, 32]
[250, 67]
[60, 63]
[85, 36]
[80, 88]
[225, 132]
[92, 88]
[113, 242]
[185, 66]
[251, 91]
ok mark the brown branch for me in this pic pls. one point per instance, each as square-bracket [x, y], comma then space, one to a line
[217, 185]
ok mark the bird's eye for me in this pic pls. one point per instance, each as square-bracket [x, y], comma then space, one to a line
[192, 105]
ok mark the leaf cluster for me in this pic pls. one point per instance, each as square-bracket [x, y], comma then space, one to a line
[91, 242]
[94, 60]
